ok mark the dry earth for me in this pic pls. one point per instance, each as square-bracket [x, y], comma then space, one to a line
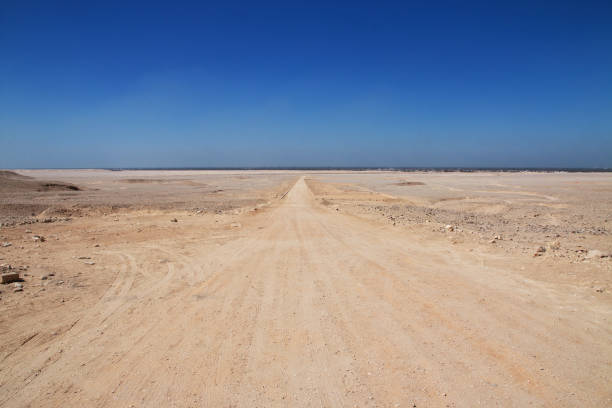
[368, 289]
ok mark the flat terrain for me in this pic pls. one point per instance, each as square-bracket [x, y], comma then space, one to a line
[322, 289]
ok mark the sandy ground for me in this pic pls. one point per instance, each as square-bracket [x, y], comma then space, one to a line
[325, 289]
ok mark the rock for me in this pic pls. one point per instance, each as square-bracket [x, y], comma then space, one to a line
[539, 251]
[174, 220]
[5, 267]
[38, 238]
[18, 285]
[10, 277]
[44, 277]
[596, 253]
[28, 231]
[97, 246]
[236, 225]
[84, 257]
[497, 237]
[492, 241]
[6, 244]
[600, 290]
[18, 290]
[449, 228]
[90, 263]
[554, 245]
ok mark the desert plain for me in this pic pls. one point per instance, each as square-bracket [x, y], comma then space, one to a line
[305, 289]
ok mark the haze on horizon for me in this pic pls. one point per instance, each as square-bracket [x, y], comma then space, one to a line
[274, 84]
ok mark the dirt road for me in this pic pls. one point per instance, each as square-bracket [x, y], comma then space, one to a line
[308, 306]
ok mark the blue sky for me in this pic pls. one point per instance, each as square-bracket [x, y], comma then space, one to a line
[163, 84]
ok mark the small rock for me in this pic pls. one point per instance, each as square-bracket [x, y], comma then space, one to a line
[554, 245]
[38, 238]
[28, 231]
[449, 228]
[174, 220]
[18, 290]
[539, 251]
[236, 225]
[6, 244]
[5, 267]
[44, 277]
[600, 290]
[97, 246]
[596, 253]
[90, 263]
[60, 282]
[84, 257]
[10, 277]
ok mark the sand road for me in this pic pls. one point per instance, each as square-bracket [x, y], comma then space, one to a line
[308, 306]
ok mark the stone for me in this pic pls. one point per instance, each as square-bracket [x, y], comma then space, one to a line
[596, 253]
[539, 251]
[174, 220]
[554, 245]
[38, 238]
[6, 244]
[449, 228]
[10, 277]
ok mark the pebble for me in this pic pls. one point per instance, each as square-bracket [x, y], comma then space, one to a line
[174, 220]
[539, 251]
[6, 244]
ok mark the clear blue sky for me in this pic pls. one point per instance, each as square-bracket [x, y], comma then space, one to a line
[312, 84]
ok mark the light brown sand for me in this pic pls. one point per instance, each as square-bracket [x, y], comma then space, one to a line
[349, 290]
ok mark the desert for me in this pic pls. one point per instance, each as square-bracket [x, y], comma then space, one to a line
[322, 288]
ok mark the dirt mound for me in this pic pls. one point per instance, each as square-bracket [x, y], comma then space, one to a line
[11, 181]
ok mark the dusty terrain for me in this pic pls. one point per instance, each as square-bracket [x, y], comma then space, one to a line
[271, 288]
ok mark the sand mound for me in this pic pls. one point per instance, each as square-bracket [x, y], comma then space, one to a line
[11, 181]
